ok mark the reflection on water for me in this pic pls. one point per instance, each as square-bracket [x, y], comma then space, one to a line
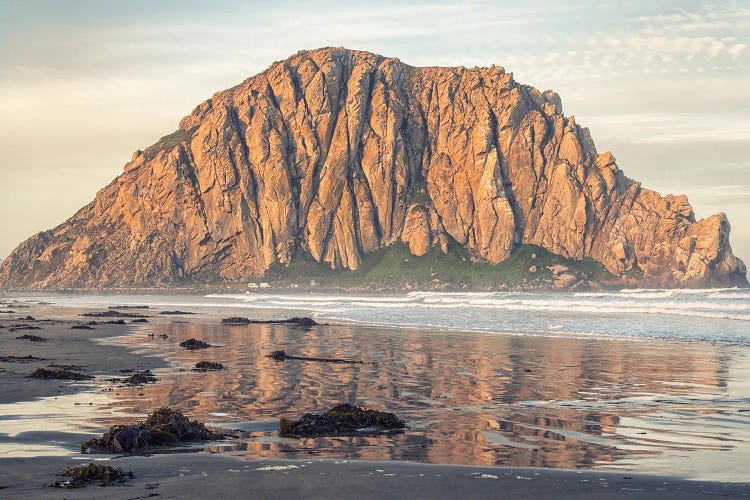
[476, 399]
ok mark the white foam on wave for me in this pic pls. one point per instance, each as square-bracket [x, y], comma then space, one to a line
[663, 302]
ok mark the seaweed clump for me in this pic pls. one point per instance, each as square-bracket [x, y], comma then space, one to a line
[240, 321]
[80, 476]
[59, 374]
[112, 314]
[164, 427]
[193, 344]
[20, 359]
[138, 378]
[31, 338]
[235, 321]
[205, 366]
[281, 356]
[341, 419]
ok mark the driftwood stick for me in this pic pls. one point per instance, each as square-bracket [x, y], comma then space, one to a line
[281, 356]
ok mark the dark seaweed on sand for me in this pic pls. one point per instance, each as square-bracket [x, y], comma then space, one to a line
[164, 427]
[20, 359]
[204, 366]
[58, 374]
[80, 476]
[281, 356]
[341, 419]
[175, 313]
[15, 328]
[192, 344]
[81, 327]
[32, 338]
[112, 314]
[138, 378]
[240, 321]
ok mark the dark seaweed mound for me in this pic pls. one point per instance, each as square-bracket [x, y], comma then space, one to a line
[59, 374]
[164, 427]
[86, 474]
[192, 344]
[341, 419]
[204, 366]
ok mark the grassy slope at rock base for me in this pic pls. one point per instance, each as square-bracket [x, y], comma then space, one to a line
[395, 266]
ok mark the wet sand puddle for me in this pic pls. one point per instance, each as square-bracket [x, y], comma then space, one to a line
[677, 408]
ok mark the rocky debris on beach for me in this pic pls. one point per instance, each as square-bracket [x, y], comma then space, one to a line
[240, 321]
[175, 313]
[81, 327]
[112, 313]
[27, 318]
[59, 374]
[206, 366]
[164, 427]
[31, 338]
[139, 320]
[114, 322]
[341, 419]
[193, 344]
[282, 355]
[129, 307]
[20, 359]
[103, 475]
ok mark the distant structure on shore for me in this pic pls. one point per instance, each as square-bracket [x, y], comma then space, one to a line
[333, 159]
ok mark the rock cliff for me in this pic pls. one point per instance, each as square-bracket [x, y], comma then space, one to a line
[336, 153]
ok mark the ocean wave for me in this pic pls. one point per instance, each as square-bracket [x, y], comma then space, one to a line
[672, 303]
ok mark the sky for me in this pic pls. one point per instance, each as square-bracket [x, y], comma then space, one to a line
[664, 85]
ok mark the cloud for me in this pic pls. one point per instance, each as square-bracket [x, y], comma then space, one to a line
[646, 128]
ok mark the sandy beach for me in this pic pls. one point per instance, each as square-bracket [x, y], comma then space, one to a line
[46, 420]
[203, 475]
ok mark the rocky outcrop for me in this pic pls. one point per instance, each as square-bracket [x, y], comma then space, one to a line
[337, 153]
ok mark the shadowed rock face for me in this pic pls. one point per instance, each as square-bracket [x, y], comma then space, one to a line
[337, 153]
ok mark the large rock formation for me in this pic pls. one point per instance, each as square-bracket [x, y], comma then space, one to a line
[338, 153]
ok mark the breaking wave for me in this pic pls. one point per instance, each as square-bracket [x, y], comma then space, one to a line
[714, 314]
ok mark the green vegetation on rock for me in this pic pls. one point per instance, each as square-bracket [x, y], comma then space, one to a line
[396, 267]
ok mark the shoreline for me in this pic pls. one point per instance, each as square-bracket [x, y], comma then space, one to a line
[202, 475]
[353, 478]
[63, 347]
[238, 288]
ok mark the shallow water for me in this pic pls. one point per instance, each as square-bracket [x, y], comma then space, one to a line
[472, 398]
[652, 392]
[705, 315]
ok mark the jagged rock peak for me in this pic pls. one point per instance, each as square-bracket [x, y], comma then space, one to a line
[336, 153]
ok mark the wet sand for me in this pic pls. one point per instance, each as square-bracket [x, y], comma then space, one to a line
[63, 346]
[200, 474]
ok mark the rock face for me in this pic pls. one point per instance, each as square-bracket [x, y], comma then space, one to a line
[337, 153]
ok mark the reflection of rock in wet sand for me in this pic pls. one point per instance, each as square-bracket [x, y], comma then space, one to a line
[467, 399]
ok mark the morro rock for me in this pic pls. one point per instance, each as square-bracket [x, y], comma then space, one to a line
[336, 153]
